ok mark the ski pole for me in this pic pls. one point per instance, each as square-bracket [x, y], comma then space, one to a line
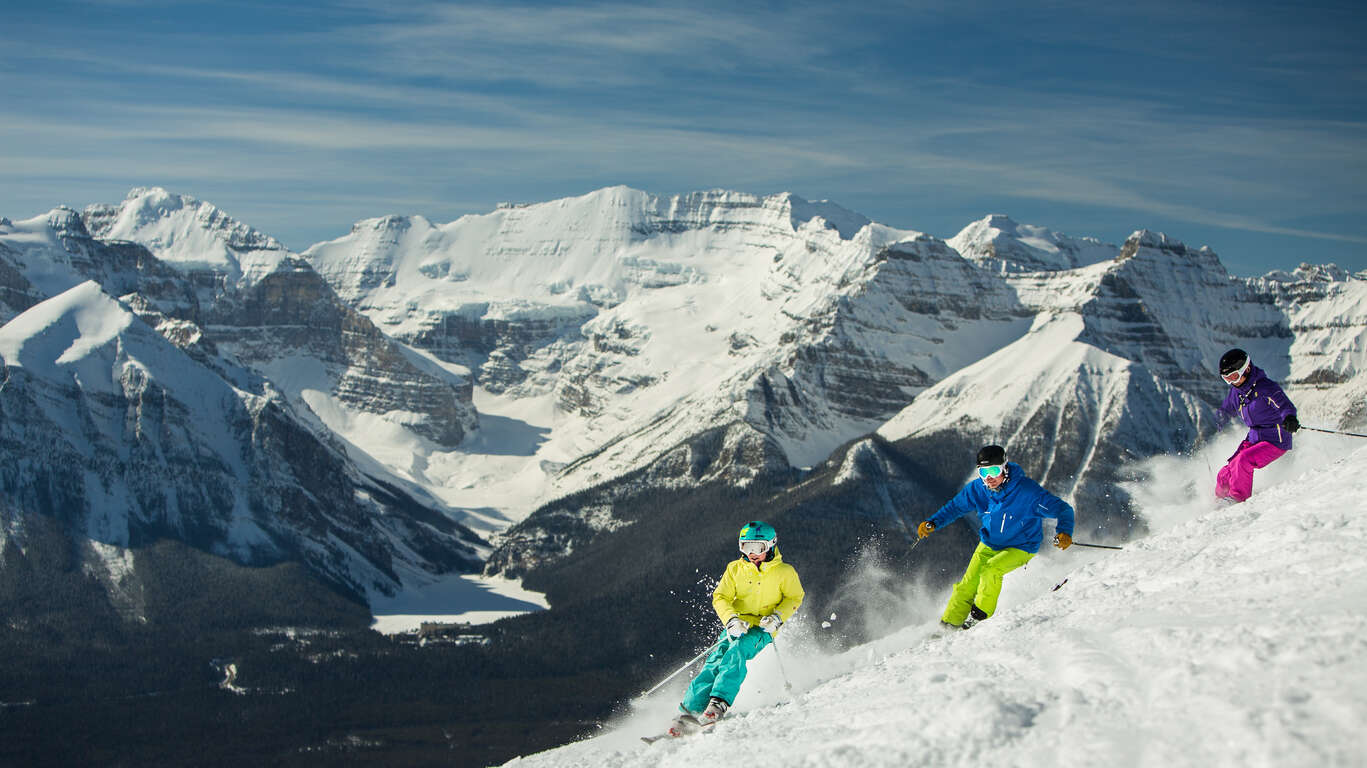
[685, 666]
[1334, 432]
[787, 686]
[1095, 546]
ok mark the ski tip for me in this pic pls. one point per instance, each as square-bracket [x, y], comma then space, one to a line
[657, 737]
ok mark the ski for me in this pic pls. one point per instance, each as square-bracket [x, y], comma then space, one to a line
[681, 734]
[663, 736]
[653, 739]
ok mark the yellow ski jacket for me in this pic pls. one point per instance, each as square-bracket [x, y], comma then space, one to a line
[753, 593]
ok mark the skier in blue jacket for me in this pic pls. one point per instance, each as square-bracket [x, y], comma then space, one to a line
[1011, 508]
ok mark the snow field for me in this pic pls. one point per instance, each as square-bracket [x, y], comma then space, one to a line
[1230, 636]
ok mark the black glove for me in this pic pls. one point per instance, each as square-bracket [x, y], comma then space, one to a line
[1292, 423]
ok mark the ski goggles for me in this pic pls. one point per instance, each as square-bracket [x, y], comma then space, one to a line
[755, 547]
[1234, 376]
[992, 471]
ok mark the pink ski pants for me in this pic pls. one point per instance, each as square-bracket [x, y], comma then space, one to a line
[1235, 479]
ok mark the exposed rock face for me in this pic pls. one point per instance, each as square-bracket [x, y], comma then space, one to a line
[853, 352]
[16, 292]
[292, 313]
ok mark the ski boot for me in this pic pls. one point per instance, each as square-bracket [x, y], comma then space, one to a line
[684, 724]
[716, 707]
[975, 615]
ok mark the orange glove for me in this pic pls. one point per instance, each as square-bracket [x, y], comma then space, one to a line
[924, 529]
[1063, 540]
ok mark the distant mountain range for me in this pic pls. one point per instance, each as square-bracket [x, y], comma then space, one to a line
[396, 404]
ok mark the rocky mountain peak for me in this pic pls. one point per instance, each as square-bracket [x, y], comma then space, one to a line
[1147, 238]
[186, 232]
[1000, 244]
[66, 222]
[1160, 252]
[832, 216]
[1000, 222]
[1321, 273]
[392, 223]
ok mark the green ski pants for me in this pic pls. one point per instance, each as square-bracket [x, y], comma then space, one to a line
[982, 581]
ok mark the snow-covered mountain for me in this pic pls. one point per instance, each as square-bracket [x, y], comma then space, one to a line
[127, 439]
[268, 309]
[1118, 367]
[190, 397]
[721, 336]
[1000, 245]
[713, 337]
[1195, 645]
[626, 323]
[629, 323]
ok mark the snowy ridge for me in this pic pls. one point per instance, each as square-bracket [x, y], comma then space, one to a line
[1005, 390]
[1000, 245]
[192, 234]
[1193, 646]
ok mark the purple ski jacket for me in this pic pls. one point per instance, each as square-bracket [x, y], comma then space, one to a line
[1263, 406]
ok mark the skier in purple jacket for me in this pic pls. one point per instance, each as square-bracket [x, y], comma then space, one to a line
[1269, 414]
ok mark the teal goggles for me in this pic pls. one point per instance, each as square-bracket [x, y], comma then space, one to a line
[986, 472]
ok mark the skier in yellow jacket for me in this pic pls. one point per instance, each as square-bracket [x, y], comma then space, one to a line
[756, 595]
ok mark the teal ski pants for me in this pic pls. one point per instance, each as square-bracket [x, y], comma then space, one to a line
[724, 670]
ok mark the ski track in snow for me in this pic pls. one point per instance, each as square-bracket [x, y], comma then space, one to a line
[1231, 636]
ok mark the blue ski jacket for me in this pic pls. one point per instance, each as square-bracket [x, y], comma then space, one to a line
[1012, 515]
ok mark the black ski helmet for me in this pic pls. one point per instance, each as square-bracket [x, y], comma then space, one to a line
[991, 456]
[1232, 361]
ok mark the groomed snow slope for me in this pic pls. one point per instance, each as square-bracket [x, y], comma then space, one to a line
[1232, 636]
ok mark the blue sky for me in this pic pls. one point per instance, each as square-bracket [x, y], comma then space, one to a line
[1238, 125]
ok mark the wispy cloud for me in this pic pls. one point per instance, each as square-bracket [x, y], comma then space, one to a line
[952, 104]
